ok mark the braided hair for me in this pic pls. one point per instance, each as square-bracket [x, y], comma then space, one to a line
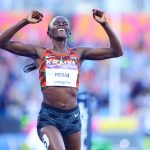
[29, 67]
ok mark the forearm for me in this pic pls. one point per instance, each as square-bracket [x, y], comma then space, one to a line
[9, 33]
[114, 42]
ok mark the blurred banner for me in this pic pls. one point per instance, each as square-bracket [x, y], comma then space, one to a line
[84, 28]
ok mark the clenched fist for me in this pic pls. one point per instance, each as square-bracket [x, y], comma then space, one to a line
[99, 16]
[34, 17]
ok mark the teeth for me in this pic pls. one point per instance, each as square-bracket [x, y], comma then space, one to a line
[61, 29]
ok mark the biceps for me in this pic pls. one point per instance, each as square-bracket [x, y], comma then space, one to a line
[19, 48]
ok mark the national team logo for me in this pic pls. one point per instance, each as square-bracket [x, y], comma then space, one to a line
[73, 58]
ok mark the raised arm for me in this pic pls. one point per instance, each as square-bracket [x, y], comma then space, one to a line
[16, 47]
[114, 50]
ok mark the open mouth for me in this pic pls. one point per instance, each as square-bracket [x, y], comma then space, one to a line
[61, 29]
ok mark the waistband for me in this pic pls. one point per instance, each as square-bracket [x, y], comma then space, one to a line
[58, 109]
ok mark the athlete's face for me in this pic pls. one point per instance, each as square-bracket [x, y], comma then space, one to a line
[59, 28]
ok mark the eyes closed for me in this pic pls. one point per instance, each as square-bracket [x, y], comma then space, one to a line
[63, 23]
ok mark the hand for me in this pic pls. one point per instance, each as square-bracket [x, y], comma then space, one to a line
[99, 16]
[34, 17]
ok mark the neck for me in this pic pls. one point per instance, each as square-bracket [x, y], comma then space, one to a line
[59, 46]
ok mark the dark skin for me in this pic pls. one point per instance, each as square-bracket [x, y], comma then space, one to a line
[51, 95]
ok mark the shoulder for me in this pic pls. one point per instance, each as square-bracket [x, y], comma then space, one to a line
[76, 51]
[39, 50]
[80, 50]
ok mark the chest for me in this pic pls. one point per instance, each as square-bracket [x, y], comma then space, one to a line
[60, 70]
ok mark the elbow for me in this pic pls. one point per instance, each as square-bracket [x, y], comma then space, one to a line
[117, 53]
[2, 45]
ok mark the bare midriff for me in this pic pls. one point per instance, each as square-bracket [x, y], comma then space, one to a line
[60, 97]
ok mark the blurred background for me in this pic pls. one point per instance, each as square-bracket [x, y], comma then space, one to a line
[120, 86]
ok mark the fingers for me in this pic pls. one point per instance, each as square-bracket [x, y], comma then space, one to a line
[99, 16]
[37, 15]
[97, 12]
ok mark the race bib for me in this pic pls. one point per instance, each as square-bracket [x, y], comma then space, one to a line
[61, 74]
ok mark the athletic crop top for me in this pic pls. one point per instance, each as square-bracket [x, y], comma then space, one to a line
[59, 69]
